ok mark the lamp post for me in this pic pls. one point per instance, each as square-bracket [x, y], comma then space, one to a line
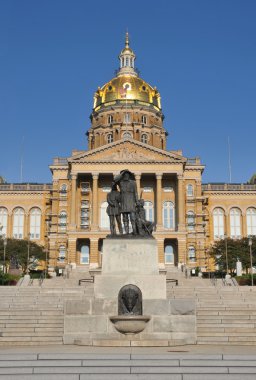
[250, 247]
[5, 244]
[226, 251]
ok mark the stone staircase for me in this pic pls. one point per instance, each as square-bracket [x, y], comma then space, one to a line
[226, 315]
[33, 314]
[126, 366]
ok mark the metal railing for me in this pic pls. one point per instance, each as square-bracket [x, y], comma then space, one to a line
[228, 186]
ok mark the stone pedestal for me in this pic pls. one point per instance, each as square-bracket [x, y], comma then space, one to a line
[130, 261]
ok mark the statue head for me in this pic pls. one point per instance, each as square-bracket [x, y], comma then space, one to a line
[114, 186]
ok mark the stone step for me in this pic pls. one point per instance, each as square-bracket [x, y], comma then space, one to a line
[174, 366]
[31, 334]
[226, 333]
[226, 329]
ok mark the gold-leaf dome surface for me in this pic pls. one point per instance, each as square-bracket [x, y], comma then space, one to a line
[127, 87]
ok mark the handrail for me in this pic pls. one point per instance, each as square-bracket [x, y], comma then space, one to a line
[90, 280]
[172, 280]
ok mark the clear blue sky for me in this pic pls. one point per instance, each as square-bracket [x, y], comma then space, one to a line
[201, 54]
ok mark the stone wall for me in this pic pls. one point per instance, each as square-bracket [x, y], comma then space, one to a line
[173, 322]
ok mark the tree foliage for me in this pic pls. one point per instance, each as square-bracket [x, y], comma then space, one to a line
[18, 248]
[236, 249]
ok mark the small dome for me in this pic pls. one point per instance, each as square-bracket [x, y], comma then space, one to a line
[127, 87]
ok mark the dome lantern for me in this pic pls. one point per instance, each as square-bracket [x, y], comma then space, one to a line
[127, 59]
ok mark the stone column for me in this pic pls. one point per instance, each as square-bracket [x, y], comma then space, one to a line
[9, 226]
[95, 208]
[73, 201]
[26, 226]
[71, 251]
[137, 178]
[159, 218]
[181, 204]
[94, 253]
[227, 224]
[182, 253]
[243, 225]
[160, 247]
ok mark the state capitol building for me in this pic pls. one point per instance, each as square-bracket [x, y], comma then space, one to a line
[69, 215]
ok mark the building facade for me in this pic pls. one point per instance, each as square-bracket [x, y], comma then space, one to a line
[69, 216]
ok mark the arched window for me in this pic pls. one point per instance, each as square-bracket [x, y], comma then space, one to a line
[85, 254]
[127, 135]
[104, 219]
[190, 190]
[18, 223]
[144, 119]
[235, 223]
[218, 223]
[191, 254]
[126, 61]
[168, 215]
[63, 221]
[3, 221]
[35, 223]
[144, 138]
[62, 254]
[110, 138]
[168, 254]
[149, 211]
[191, 220]
[63, 189]
[110, 119]
[251, 221]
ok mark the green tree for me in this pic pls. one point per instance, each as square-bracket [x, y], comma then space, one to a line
[19, 249]
[252, 180]
[236, 249]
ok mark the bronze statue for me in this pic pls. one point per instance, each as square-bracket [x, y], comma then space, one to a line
[130, 300]
[129, 199]
[113, 210]
[144, 227]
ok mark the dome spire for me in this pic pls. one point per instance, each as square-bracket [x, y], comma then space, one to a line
[127, 59]
[127, 39]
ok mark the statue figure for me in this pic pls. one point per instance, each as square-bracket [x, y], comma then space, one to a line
[144, 227]
[129, 199]
[113, 210]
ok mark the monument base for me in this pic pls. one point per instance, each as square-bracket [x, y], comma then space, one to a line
[130, 261]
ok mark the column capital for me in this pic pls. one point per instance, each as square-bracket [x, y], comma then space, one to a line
[137, 175]
[159, 175]
[95, 175]
[73, 175]
[180, 176]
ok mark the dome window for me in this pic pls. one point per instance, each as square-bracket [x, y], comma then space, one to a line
[144, 88]
[144, 119]
[127, 118]
[110, 138]
[110, 88]
[144, 138]
[127, 135]
[110, 119]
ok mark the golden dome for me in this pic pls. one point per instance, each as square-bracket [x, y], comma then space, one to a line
[127, 87]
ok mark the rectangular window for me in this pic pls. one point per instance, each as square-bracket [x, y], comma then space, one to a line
[85, 187]
[127, 118]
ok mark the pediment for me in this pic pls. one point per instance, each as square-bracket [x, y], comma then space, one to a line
[127, 151]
